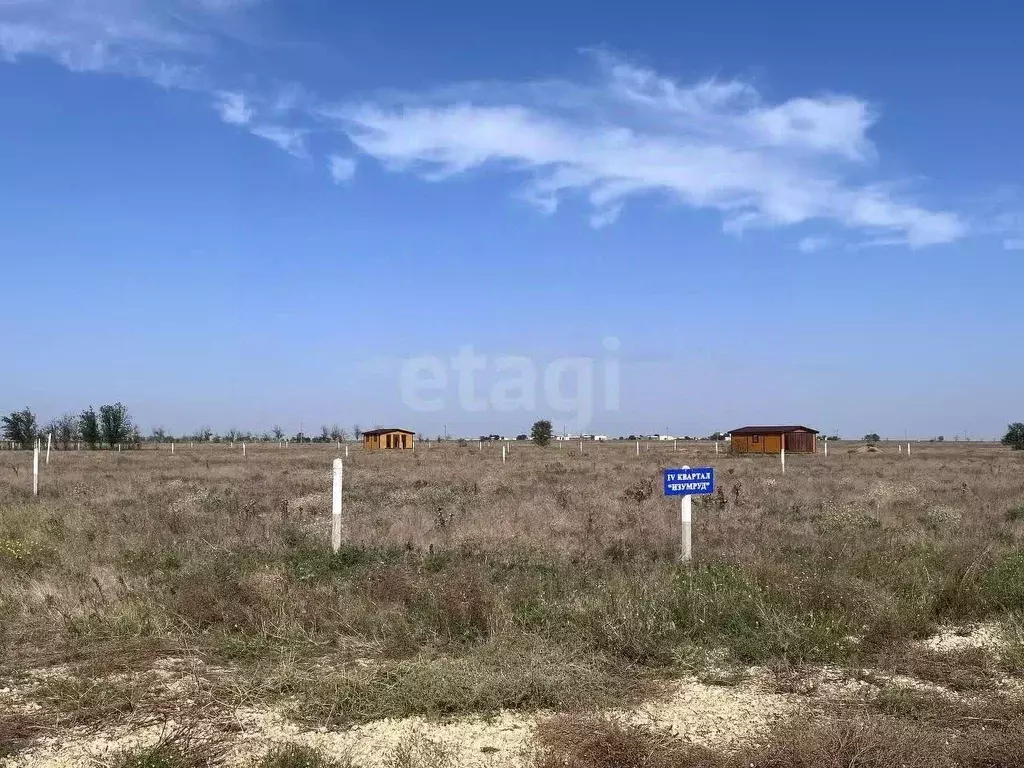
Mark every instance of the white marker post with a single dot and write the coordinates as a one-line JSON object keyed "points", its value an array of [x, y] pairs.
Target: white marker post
{"points": [[826, 448], [716, 447], [338, 474], [243, 450], [503, 454], [899, 448], [686, 516], [908, 449], [35, 471], [782, 454], [346, 450], [49, 442], [637, 447], [172, 449], [581, 447]]}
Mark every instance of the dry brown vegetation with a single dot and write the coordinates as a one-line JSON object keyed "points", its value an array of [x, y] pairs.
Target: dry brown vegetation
{"points": [[470, 586]]}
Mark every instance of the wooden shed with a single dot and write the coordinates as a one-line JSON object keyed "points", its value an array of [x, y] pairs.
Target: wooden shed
{"points": [[389, 438], [795, 438]]}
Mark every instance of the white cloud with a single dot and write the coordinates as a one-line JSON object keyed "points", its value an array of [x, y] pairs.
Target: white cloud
{"points": [[96, 35], [342, 168], [713, 144], [813, 244], [291, 140], [234, 108], [1013, 244]]}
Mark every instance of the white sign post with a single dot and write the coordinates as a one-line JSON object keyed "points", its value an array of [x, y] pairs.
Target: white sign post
{"points": [[685, 482], [686, 516], [908, 449], [35, 471], [49, 442], [581, 447], [503, 454], [637, 447], [243, 450], [338, 477]]}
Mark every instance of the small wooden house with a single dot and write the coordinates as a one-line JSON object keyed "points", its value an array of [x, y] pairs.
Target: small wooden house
{"points": [[389, 438], [796, 439]]}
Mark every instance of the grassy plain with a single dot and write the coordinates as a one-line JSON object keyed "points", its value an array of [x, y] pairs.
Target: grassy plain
{"points": [[143, 589]]}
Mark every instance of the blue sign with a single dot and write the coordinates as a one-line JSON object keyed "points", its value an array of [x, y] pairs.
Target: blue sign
{"points": [[685, 481]]}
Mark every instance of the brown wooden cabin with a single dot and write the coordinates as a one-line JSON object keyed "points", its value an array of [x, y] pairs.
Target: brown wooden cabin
{"points": [[797, 439], [389, 438]]}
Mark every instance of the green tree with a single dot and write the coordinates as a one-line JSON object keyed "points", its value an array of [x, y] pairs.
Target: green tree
{"points": [[872, 438], [115, 424], [89, 427], [21, 427], [65, 430], [541, 432], [1014, 436]]}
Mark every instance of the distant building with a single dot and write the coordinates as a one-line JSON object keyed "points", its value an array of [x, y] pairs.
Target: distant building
{"points": [[600, 438], [388, 439], [796, 439]]}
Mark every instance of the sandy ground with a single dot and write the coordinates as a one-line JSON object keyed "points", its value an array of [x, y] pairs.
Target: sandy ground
{"points": [[704, 714]]}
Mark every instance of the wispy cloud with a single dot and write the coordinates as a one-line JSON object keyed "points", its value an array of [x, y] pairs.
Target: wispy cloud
{"points": [[1013, 244], [625, 133], [343, 169], [291, 140], [132, 37], [234, 108], [813, 244], [632, 132], [266, 122]]}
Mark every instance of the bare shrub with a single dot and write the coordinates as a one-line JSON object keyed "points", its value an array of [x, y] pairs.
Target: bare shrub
{"points": [[597, 741]]}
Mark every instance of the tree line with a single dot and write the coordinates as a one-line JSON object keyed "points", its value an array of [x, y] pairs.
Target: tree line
{"points": [[109, 427], [112, 425]]}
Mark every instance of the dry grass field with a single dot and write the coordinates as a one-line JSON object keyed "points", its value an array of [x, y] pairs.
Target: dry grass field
{"points": [[162, 611]]}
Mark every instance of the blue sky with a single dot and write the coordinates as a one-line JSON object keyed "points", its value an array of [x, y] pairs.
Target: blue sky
{"points": [[246, 212]]}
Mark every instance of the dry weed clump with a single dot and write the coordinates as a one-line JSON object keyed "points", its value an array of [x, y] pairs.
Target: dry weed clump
{"points": [[18, 730], [177, 748], [300, 756], [600, 741], [864, 741]]}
